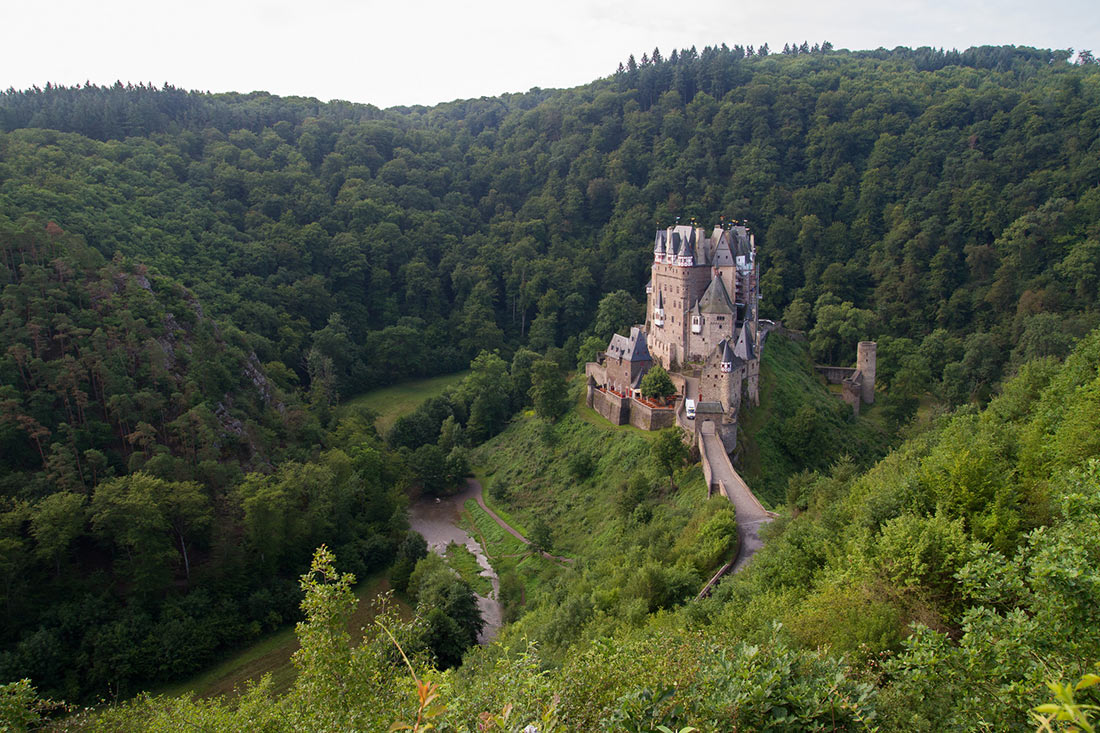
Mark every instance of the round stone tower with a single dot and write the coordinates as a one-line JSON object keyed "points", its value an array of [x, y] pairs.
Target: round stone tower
{"points": [[865, 364]]}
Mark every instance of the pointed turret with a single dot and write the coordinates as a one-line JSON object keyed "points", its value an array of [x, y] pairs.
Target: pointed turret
{"points": [[744, 251], [725, 363], [745, 349], [703, 249], [686, 256]]}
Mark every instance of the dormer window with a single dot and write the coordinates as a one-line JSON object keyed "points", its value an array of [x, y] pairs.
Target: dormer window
{"points": [[696, 324], [726, 367]]}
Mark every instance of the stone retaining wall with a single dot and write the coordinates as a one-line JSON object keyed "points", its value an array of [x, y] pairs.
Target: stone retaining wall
{"points": [[614, 408], [648, 418]]}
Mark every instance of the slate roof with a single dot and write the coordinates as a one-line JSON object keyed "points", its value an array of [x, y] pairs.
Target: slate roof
{"points": [[727, 352], [741, 244], [721, 247], [629, 349], [745, 348], [723, 257], [709, 408], [716, 299]]}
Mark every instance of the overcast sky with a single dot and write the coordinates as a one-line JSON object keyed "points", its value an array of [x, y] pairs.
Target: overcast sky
{"points": [[420, 52]]}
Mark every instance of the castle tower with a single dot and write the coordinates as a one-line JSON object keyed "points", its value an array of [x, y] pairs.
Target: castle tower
{"points": [[865, 365], [694, 274], [724, 263]]}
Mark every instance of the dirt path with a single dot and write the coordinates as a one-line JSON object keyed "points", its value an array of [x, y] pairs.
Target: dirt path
{"points": [[479, 494]]}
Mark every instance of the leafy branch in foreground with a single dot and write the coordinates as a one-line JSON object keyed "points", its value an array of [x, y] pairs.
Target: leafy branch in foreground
{"points": [[426, 693], [1067, 709]]}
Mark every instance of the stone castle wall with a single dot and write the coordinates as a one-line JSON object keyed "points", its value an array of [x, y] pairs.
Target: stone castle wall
{"points": [[598, 372], [615, 409], [859, 381], [835, 374], [647, 418], [852, 393]]}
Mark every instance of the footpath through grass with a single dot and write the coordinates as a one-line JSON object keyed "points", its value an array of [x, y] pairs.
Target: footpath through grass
{"points": [[521, 572], [390, 403], [272, 654]]}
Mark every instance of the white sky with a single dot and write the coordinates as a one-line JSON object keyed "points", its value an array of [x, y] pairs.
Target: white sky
{"points": [[424, 52]]}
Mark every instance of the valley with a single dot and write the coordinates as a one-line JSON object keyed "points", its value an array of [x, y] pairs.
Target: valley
{"points": [[264, 360]]}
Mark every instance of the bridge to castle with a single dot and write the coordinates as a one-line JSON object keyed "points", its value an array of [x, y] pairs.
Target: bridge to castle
{"points": [[751, 515]]}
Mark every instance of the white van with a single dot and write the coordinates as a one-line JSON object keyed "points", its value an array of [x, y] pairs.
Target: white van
{"points": [[689, 409]]}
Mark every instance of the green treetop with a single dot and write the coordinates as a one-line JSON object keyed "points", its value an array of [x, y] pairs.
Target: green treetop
{"points": [[656, 384]]}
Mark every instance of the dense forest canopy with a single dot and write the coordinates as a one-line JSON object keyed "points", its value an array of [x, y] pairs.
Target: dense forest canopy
{"points": [[191, 283], [921, 186]]}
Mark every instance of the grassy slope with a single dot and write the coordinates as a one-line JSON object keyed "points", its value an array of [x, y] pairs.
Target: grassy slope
{"points": [[533, 463], [392, 402], [532, 460], [787, 382]]}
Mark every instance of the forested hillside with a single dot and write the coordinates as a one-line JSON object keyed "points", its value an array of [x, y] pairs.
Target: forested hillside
{"points": [[942, 199], [937, 591], [192, 282]]}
